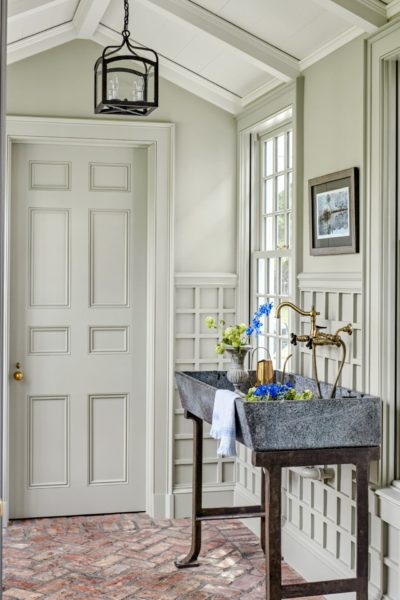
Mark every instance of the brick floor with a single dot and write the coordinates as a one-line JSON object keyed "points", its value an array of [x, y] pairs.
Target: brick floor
{"points": [[130, 556]]}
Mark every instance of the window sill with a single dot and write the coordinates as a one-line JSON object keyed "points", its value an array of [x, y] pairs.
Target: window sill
{"points": [[390, 504]]}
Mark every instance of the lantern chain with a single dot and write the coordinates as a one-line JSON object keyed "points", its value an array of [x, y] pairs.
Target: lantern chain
{"points": [[126, 32]]}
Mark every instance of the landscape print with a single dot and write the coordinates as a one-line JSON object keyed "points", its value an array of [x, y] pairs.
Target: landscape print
{"points": [[333, 214]]}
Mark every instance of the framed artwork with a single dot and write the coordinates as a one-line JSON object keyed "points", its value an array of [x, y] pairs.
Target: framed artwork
{"points": [[334, 202]]}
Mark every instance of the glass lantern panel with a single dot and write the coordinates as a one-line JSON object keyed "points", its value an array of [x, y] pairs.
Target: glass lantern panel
{"points": [[127, 82]]}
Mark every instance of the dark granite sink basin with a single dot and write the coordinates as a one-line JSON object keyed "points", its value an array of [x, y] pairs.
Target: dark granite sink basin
{"points": [[351, 419]]}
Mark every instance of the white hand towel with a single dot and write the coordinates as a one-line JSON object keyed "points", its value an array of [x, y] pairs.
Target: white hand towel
{"points": [[223, 422]]}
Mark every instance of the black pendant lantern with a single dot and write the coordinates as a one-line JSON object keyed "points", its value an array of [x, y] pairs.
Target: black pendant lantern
{"points": [[126, 82]]}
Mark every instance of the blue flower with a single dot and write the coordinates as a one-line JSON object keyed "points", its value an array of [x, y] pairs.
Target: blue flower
{"points": [[265, 309], [272, 390], [261, 390]]}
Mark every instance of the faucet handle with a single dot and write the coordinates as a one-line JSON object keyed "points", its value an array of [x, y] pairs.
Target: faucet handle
{"points": [[293, 339]]}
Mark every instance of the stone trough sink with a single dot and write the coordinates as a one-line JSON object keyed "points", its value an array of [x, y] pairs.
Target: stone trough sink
{"points": [[351, 419]]}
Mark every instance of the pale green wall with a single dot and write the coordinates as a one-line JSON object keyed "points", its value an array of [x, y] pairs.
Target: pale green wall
{"points": [[333, 134], [59, 83]]}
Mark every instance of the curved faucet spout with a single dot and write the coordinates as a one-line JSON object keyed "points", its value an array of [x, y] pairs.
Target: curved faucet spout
{"points": [[304, 313]]}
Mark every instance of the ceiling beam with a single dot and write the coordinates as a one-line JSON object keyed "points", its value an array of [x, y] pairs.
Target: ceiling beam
{"points": [[368, 15], [88, 16], [264, 55]]}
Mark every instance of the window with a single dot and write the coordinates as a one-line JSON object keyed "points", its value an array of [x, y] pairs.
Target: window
{"points": [[272, 258]]}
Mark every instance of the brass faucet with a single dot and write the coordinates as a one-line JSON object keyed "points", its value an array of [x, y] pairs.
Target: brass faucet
{"points": [[316, 338]]}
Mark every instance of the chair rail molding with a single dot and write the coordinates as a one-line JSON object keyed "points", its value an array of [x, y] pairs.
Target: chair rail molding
{"points": [[159, 141], [332, 282]]}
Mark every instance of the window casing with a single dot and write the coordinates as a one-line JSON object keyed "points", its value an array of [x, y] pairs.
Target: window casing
{"points": [[272, 257]]}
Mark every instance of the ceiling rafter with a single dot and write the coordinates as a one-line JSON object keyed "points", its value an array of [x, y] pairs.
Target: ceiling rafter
{"points": [[263, 55], [88, 16], [368, 15]]}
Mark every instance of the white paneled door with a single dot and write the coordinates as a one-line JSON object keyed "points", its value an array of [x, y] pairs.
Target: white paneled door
{"points": [[78, 330]]}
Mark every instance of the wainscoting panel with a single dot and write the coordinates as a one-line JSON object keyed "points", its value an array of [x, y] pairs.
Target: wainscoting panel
{"points": [[325, 513], [197, 296]]}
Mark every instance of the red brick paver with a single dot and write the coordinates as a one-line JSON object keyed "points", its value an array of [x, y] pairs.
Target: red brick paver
{"points": [[130, 556]]}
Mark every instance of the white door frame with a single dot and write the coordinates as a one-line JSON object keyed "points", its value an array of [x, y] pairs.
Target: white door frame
{"points": [[380, 245], [158, 139]]}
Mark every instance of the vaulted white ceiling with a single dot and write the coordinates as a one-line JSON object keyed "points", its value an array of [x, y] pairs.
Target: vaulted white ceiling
{"points": [[229, 52]]}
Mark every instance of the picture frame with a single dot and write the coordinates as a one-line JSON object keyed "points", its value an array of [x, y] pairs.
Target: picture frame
{"points": [[334, 213]]}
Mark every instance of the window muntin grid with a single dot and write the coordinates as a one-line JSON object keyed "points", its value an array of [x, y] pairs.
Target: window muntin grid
{"points": [[272, 262]]}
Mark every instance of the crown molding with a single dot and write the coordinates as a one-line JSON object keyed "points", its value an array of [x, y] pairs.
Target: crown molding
{"points": [[393, 9], [260, 92], [263, 55], [368, 15], [339, 41], [40, 42]]}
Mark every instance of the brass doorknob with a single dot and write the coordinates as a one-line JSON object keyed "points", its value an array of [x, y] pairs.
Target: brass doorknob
{"points": [[18, 375]]}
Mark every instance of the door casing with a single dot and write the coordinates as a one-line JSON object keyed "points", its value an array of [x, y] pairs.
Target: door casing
{"points": [[158, 139]]}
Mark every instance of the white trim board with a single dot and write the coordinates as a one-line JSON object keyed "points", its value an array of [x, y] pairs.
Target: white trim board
{"points": [[213, 496], [158, 139], [335, 282], [205, 279]]}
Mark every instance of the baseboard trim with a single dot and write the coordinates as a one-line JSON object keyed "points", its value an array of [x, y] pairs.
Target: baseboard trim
{"points": [[242, 497], [213, 496]]}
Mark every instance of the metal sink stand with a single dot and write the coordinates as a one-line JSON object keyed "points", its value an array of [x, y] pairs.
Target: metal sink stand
{"points": [[269, 511]]}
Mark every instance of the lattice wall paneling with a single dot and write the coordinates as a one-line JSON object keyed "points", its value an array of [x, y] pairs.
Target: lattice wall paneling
{"points": [[391, 563], [326, 512], [196, 297]]}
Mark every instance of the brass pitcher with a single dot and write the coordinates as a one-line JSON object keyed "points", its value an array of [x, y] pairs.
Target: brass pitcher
{"points": [[264, 368]]}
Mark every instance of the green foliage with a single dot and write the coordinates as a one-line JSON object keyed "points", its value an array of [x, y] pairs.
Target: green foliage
{"points": [[234, 336]]}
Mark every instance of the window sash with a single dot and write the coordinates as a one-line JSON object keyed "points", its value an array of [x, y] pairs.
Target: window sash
{"points": [[271, 266]]}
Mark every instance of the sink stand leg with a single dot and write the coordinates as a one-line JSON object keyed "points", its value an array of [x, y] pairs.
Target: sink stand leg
{"points": [[362, 530], [262, 520], [273, 568], [191, 559]]}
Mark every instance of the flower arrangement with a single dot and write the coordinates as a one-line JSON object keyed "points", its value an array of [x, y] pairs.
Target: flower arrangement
{"points": [[237, 335], [277, 391]]}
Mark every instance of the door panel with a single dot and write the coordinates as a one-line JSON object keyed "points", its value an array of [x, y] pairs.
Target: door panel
{"points": [[78, 287]]}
